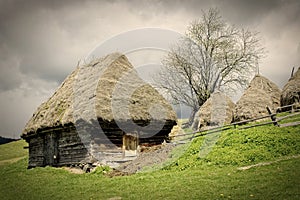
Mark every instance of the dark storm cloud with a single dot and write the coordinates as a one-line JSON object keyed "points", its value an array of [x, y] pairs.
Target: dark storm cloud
{"points": [[42, 41], [30, 32]]}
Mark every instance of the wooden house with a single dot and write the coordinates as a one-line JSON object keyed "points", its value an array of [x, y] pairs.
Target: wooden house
{"points": [[92, 114]]}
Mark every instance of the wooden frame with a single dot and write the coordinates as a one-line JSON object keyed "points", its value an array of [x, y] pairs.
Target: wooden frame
{"points": [[130, 142]]}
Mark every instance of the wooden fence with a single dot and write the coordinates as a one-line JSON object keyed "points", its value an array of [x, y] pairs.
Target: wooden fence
{"points": [[292, 111]]}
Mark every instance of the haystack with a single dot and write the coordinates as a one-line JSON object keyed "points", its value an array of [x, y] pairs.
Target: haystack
{"points": [[218, 110], [291, 91], [92, 110], [260, 94]]}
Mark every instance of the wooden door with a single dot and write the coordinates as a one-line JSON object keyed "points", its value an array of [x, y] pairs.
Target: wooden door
{"points": [[50, 149], [130, 144]]}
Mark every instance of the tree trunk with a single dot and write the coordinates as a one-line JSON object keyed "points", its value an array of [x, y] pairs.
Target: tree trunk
{"points": [[191, 119]]}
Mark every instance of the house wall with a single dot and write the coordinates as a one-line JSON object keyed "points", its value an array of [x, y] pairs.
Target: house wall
{"points": [[56, 147], [62, 146], [147, 135], [70, 148], [36, 153]]}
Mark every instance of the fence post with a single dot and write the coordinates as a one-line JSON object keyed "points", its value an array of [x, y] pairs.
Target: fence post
{"points": [[293, 108], [273, 117]]}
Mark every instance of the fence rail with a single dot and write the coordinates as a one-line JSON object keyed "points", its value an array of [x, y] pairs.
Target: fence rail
{"points": [[273, 116]]}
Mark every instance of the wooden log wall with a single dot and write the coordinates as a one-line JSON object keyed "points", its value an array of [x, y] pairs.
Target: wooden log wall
{"points": [[57, 147], [70, 148], [61, 146], [36, 153]]}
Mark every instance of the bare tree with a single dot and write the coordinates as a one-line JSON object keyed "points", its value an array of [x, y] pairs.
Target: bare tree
{"points": [[213, 56]]}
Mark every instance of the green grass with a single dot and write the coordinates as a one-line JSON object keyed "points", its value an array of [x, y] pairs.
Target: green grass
{"points": [[276, 181], [214, 176], [243, 147], [13, 150]]}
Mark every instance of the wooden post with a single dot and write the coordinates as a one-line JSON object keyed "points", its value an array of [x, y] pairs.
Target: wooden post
{"points": [[123, 144], [293, 108], [273, 117], [292, 74]]}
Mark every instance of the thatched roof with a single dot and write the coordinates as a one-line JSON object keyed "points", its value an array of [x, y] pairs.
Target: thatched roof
{"points": [[260, 93], [216, 111], [93, 89], [291, 91]]}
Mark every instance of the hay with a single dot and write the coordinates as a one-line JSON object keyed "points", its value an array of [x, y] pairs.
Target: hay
{"points": [[216, 111], [118, 86], [260, 94], [291, 91]]}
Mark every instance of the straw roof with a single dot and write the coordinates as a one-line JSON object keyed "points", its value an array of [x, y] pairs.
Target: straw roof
{"points": [[260, 93], [108, 89], [291, 91], [216, 111]]}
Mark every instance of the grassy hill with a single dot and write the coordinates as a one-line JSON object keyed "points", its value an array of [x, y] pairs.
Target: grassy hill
{"points": [[12, 151], [215, 176], [4, 140]]}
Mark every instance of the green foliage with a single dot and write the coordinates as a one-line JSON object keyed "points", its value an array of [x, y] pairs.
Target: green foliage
{"points": [[13, 150], [242, 147], [101, 170]]}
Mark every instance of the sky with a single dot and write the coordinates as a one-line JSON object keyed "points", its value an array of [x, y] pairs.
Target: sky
{"points": [[41, 42]]}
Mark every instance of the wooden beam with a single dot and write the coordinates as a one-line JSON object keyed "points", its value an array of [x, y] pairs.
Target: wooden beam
{"points": [[251, 120], [290, 124], [287, 116], [273, 117]]}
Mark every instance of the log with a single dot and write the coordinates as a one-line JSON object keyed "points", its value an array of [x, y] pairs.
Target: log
{"points": [[290, 124]]}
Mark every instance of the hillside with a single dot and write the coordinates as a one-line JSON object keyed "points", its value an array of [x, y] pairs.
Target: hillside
{"points": [[215, 176], [4, 140]]}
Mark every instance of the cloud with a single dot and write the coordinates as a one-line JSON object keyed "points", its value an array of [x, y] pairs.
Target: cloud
{"points": [[42, 41], [9, 70], [18, 104]]}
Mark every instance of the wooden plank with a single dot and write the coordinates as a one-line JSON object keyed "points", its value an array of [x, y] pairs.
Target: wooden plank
{"points": [[290, 124], [292, 106], [251, 120], [273, 117], [219, 128], [207, 133], [256, 125], [287, 116]]}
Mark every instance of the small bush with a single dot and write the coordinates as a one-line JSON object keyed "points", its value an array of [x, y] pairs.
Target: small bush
{"points": [[101, 170]]}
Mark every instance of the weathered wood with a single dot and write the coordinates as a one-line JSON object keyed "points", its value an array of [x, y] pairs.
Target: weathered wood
{"points": [[293, 107], [287, 116], [204, 132], [130, 142], [252, 120], [256, 125], [290, 124], [218, 128], [62, 145], [273, 117]]}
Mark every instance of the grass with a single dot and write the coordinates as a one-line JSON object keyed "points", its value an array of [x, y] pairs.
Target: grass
{"points": [[214, 176], [277, 181], [13, 150]]}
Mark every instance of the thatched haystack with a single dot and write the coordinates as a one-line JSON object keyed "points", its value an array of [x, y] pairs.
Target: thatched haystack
{"points": [[92, 110], [218, 110], [291, 91], [260, 93]]}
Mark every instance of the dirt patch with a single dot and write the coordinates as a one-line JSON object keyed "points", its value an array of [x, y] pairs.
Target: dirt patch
{"points": [[268, 163], [148, 158], [74, 170]]}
